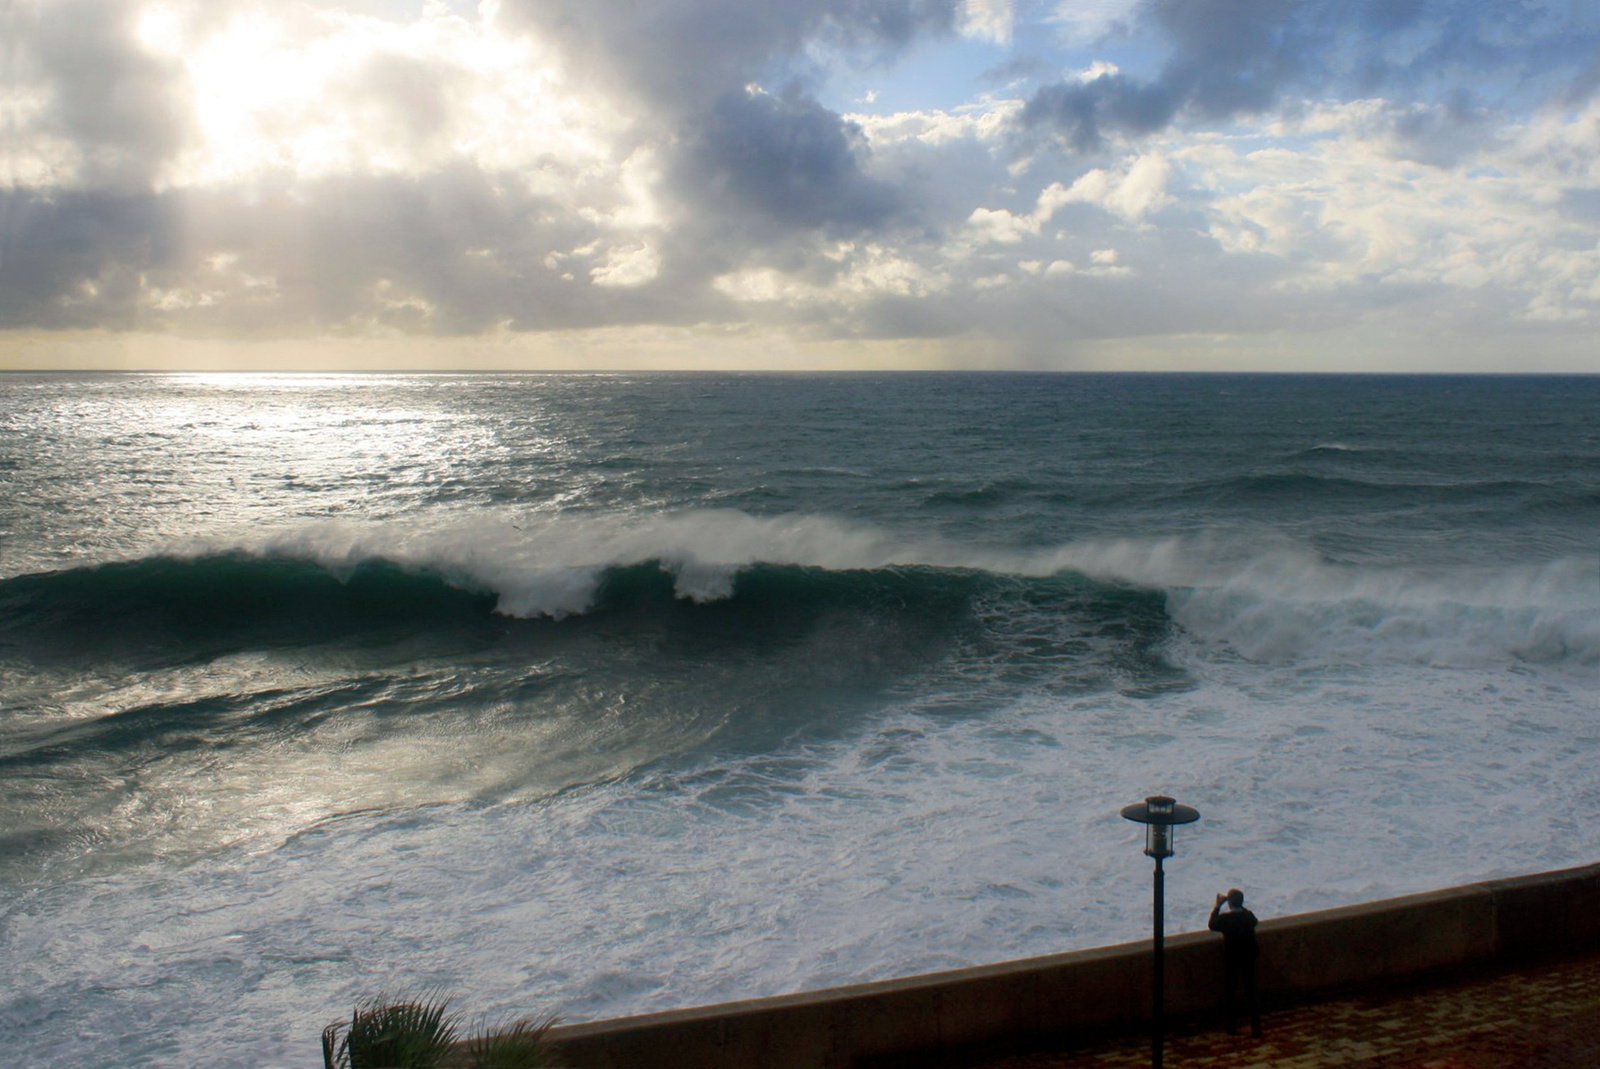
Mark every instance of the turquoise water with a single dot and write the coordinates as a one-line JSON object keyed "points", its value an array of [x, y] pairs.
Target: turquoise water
{"points": [[597, 694]]}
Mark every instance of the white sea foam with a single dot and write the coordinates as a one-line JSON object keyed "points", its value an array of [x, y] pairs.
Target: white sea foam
{"points": [[782, 871]]}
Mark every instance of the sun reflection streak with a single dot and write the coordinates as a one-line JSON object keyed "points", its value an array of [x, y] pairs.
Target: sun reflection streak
{"points": [[224, 459]]}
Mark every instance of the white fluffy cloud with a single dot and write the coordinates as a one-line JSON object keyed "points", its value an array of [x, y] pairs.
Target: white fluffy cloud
{"points": [[992, 20], [1372, 213]]}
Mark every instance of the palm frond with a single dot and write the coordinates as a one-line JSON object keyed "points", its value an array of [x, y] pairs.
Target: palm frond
{"points": [[385, 1034], [517, 1045], [334, 1054]]}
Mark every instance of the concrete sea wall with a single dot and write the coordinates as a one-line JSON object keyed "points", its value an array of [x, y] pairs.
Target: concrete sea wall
{"points": [[1083, 993]]}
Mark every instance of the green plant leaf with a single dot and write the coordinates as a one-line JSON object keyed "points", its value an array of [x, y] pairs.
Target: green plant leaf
{"points": [[518, 1045], [385, 1034]]}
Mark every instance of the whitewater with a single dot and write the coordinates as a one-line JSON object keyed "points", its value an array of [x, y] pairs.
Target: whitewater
{"points": [[592, 695]]}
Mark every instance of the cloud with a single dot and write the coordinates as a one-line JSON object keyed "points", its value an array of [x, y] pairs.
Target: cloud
{"points": [[781, 162], [231, 168], [1228, 57], [455, 251], [627, 266], [998, 226], [681, 55], [1133, 192], [1351, 214], [1231, 59], [1091, 21], [95, 105], [78, 259], [1078, 111], [1440, 135], [992, 20]]}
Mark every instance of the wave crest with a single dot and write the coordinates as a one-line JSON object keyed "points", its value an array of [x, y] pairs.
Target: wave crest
{"points": [[554, 567], [1267, 599]]}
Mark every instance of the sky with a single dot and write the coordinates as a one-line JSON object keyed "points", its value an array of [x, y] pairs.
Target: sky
{"points": [[1328, 185]]}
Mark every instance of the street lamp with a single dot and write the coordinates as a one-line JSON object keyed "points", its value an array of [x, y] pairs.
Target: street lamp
{"points": [[1159, 815]]}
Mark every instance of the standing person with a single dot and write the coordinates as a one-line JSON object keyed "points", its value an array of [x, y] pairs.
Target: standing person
{"points": [[1239, 953]]}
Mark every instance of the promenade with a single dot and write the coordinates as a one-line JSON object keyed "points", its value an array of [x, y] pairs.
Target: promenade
{"points": [[1538, 1016], [1500, 974]]}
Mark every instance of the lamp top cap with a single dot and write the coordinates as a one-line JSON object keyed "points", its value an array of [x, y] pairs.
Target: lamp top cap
{"points": [[1160, 809]]}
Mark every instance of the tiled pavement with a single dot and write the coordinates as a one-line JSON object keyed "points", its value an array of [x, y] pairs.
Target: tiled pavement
{"points": [[1544, 1016]]}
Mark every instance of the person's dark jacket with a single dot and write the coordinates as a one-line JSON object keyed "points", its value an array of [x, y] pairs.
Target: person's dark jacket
{"points": [[1238, 928]]}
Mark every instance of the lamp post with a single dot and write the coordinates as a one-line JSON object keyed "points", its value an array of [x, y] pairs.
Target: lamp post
{"points": [[1159, 815]]}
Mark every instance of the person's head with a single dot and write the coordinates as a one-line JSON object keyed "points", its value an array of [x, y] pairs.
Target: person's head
{"points": [[1236, 898]]}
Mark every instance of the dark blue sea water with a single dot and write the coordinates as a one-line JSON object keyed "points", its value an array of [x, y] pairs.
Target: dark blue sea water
{"points": [[596, 694]]}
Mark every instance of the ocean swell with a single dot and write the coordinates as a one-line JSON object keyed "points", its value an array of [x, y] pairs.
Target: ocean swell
{"points": [[1266, 599]]}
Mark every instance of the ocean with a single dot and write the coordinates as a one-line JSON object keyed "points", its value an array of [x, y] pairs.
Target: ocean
{"points": [[593, 695]]}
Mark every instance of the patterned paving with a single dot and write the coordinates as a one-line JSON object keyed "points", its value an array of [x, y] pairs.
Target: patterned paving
{"points": [[1537, 1017]]}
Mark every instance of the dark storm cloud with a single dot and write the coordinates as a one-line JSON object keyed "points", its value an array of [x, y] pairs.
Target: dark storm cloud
{"points": [[746, 166], [1079, 111], [1443, 135], [781, 163], [75, 259], [1228, 57], [1237, 58], [121, 109], [684, 54]]}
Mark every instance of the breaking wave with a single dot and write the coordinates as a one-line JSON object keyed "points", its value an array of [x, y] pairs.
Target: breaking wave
{"points": [[1264, 599]]}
